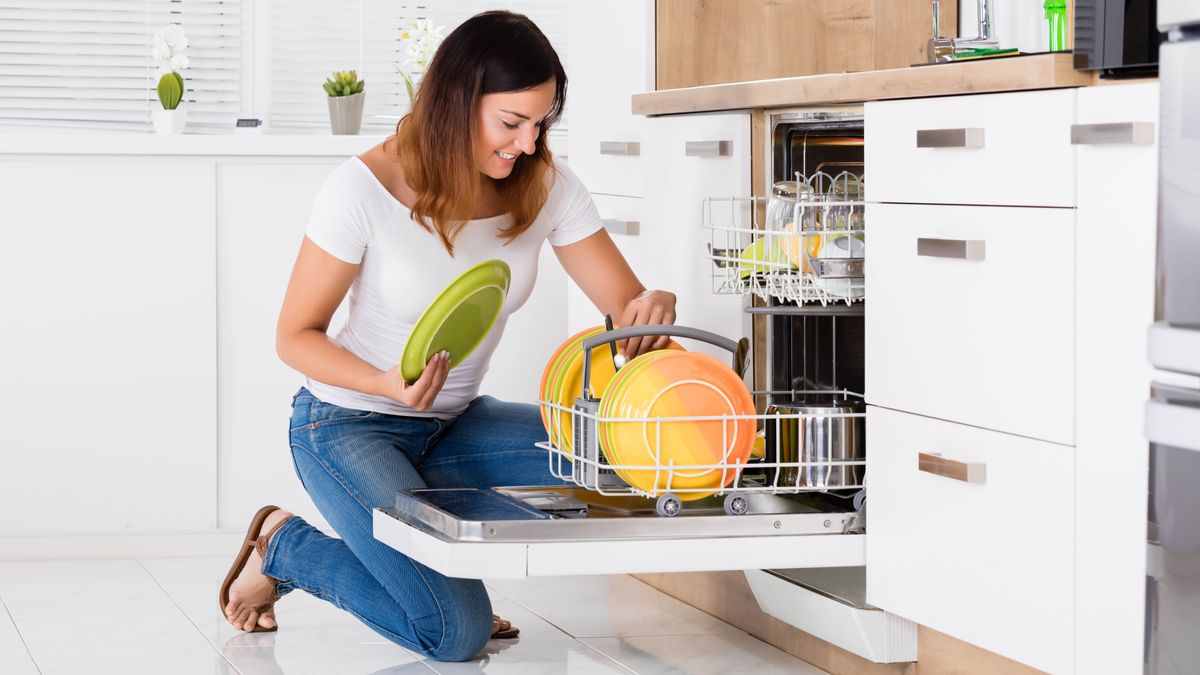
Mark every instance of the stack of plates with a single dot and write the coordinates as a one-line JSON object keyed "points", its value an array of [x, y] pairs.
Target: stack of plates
{"points": [[652, 392], [562, 383]]}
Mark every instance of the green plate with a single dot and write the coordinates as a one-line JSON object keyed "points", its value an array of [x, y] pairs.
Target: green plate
{"points": [[458, 319]]}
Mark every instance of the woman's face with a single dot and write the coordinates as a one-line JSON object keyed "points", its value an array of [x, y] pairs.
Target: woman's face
{"points": [[509, 124]]}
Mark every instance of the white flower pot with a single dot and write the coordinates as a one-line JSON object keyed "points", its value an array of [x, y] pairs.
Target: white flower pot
{"points": [[169, 121], [345, 113]]}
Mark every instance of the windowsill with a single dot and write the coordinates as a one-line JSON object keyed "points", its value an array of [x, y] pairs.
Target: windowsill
{"points": [[247, 144], [230, 145]]}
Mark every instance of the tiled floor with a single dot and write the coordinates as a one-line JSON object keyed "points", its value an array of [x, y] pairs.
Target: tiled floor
{"points": [[160, 616]]}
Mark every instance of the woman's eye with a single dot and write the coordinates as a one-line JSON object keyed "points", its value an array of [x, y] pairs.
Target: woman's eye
{"points": [[510, 127]]}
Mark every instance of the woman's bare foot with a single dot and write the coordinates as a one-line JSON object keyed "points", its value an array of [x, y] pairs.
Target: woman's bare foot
{"points": [[252, 595]]}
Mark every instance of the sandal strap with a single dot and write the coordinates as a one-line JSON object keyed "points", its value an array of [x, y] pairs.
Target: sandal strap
{"points": [[264, 539]]}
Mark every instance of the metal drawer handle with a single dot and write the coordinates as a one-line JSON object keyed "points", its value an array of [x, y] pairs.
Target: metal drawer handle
{"points": [[626, 227], [969, 137], [708, 148], [1118, 133], [959, 249], [967, 472], [629, 148]]}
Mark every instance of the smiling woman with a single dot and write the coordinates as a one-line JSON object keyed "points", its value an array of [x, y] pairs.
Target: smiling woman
{"points": [[467, 178], [455, 131]]}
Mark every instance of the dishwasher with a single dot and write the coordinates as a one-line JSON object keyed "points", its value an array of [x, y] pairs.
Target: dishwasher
{"points": [[795, 507]]}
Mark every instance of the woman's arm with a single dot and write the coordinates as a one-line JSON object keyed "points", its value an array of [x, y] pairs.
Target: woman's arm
{"points": [[597, 266], [318, 284]]}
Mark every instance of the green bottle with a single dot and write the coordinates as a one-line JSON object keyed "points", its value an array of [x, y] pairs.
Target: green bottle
{"points": [[1056, 14]]}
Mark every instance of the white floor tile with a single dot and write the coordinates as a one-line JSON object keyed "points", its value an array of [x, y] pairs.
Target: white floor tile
{"points": [[261, 654], [101, 617], [541, 649], [14, 657], [304, 620], [608, 606], [700, 655]]}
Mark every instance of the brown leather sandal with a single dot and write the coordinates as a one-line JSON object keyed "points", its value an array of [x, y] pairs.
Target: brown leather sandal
{"points": [[256, 540], [503, 629]]}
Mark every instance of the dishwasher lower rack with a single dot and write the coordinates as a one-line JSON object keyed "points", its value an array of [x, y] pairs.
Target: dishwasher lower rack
{"points": [[802, 448]]}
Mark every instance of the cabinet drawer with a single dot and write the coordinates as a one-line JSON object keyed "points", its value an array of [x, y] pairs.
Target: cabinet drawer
{"points": [[989, 562], [608, 157], [1007, 149], [983, 335]]}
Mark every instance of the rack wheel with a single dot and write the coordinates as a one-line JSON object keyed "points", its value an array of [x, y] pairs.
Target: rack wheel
{"points": [[736, 505], [860, 498], [668, 505]]}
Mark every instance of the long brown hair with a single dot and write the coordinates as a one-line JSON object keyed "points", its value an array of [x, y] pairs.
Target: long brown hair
{"points": [[492, 52]]}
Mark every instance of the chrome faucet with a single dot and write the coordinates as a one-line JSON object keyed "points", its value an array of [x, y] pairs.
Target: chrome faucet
{"points": [[940, 48]]}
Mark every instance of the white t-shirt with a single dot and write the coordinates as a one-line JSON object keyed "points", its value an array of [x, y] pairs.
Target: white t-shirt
{"points": [[403, 267]]}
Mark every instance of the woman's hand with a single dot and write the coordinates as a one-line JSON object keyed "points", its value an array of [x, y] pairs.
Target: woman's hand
{"points": [[647, 308], [420, 394]]}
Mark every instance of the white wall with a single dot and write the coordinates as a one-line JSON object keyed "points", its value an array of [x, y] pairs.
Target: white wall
{"points": [[1017, 23]]}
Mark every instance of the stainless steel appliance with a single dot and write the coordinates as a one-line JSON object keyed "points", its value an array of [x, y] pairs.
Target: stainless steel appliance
{"points": [[1173, 413]]}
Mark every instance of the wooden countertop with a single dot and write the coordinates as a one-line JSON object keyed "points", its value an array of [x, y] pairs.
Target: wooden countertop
{"points": [[1040, 71]]}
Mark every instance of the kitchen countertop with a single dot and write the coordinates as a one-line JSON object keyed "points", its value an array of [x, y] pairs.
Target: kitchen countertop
{"points": [[1039, 71]]}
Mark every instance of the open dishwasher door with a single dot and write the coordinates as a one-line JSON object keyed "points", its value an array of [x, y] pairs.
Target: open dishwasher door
{"points": [[560, 530]]}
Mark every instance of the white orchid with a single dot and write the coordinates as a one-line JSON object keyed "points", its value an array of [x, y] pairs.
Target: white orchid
{"points": [[421, 40], [169, 44]]}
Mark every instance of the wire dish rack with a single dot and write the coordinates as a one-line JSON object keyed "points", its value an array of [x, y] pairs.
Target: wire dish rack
{"points": [[796, 453], [810, 250]]}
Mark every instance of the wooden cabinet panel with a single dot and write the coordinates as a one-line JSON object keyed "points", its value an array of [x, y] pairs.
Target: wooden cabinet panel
{"points": [[711, 41]]}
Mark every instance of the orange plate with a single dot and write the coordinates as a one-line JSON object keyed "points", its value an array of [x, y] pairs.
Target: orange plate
{"points": [[552, 366], [677, 385]]}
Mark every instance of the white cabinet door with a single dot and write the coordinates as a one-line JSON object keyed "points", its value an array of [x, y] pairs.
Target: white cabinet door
{"points": [[262, 213], [623, 219], [689, 159], [970, 315], [1010, 149], [1118, 188], [606, 141], [969, 535], [109, 403]]}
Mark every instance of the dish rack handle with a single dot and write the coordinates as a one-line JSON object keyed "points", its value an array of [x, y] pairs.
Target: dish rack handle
{"points": [[739, 348]]}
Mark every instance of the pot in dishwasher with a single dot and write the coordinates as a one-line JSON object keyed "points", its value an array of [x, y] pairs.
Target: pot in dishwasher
{"points": [[814, 441]]}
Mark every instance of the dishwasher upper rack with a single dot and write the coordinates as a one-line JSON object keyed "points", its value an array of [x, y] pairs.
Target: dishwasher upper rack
{"points": [[820, 262], [585, 463]]}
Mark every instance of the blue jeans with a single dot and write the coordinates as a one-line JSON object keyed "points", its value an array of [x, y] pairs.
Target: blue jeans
{"points": [[351, 461]]}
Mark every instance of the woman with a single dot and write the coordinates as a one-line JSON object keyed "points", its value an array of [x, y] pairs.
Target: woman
{"points": [[467, 177]]}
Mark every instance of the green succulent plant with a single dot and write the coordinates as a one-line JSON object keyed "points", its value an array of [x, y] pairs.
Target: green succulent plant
{"points": [[343, 83], [170, 90]]}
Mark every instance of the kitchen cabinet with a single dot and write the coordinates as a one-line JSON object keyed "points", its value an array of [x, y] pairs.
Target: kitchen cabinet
{"points": [[1009, 149], [692, 158], [956, 327], [605, 138], [959, 542], [1115, 140], [110, 358], [1051, 348]]}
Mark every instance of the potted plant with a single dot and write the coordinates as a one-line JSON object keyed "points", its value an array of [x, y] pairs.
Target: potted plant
{"points": [[169, 44], [345, 102]]}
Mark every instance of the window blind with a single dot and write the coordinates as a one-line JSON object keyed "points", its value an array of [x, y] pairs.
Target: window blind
{"points": [[88, 63], [312, 38]]}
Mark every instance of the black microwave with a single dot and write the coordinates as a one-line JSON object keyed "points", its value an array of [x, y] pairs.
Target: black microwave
{"points": [[1117, 37]]}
